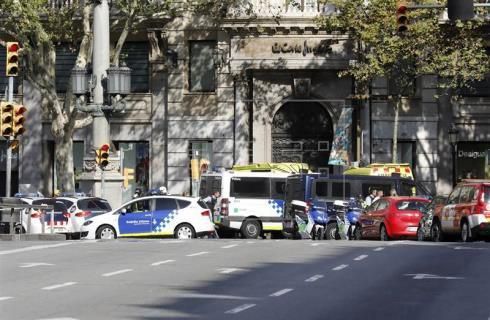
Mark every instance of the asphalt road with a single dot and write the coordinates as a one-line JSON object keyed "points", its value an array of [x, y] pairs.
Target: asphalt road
{"points": [[241, 279]]}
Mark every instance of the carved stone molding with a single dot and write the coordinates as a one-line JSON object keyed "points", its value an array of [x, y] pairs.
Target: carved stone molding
{"points": [[158, 44]]}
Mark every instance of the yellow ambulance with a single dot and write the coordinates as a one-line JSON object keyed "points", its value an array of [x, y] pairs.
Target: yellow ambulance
{"points": [[383, 169]]}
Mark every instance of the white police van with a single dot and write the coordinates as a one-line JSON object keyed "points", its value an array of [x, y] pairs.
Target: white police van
{"points": [[251, 202]]}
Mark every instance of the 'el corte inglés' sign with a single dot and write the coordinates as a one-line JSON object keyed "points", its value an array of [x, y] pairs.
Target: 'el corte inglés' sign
{"points": [[293, 47], [304, 47]]}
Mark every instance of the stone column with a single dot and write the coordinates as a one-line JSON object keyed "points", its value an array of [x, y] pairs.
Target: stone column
{"points": [[242, 125]]}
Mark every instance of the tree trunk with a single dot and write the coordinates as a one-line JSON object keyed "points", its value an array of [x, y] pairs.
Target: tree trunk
{"points": [[64, 164], [394, 156]]}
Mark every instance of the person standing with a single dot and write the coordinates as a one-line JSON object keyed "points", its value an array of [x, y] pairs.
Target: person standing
{"points": [[370, 198], [212, 199]]}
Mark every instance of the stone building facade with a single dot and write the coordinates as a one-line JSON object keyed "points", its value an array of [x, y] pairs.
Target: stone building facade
{"points": [[259, 91]]}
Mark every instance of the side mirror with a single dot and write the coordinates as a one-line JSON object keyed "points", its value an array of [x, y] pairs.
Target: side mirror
{"points": [[124, 211]]}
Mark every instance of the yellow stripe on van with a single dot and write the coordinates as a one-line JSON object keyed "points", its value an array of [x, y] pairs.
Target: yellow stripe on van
{"points": [[272, 226]]}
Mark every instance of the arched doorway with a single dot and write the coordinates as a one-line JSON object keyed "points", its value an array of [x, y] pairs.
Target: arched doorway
{"points": [[302, 132]]}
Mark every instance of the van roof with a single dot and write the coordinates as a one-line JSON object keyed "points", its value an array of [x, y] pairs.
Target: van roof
{"points": [[354, 177], [248, 174]]}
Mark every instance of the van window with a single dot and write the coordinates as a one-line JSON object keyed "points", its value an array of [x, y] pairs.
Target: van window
{"points": [[209, 184], [337, 191], [295, 188], [245, 187], [321, 188], [367, 186], [278, 188]]}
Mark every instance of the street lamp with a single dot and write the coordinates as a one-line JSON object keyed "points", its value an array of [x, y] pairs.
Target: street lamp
{"points": [[453, 133]]}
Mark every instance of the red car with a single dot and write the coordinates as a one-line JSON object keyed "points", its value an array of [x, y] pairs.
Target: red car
{"points": [[390, 218]]}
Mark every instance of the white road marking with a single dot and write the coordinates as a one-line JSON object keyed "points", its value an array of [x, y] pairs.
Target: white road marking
{"points": [[58, 319], [61, 285], [211, 296], [35, 264], [241, 308], [469, 248], [161, 262], [172, 241], [361, 257], [342, 266], [230, 270], [314, 278], [250, 242], [5, 298], [229, 246], [315, 244], [378, 249], [421, 276], [281, 292], [397, 242], [197, 254], [109, 274], [40, 247]]}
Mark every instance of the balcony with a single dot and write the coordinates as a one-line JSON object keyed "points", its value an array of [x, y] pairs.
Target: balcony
{"points": [[287, 8]]}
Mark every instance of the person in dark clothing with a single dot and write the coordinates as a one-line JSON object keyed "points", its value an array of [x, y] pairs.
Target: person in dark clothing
{"points": [[212, 199]]}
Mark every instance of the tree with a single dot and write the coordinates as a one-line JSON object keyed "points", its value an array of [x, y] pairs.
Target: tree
{"points": [[41, 24], [454, 51]]}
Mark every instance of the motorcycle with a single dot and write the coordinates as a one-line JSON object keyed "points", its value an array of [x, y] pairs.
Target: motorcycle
{"points": [[343, 217]]}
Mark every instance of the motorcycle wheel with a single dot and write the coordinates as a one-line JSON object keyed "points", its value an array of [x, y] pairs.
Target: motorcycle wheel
{"points": [[332, 231], [320, 233]]}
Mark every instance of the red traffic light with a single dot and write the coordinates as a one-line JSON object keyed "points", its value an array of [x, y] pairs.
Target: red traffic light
{"points": [[13, 47], [104, 147], [401, 17], [12, 63]]}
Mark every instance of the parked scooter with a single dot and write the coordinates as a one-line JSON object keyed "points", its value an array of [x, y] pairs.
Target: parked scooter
{"points": [[343, 216]]}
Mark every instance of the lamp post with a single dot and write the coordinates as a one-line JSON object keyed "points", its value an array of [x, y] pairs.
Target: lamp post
{"points": [[105, 88], [453, 133]]}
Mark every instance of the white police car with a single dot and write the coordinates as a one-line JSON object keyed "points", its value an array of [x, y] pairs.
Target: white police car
{"points": [[180, 217]]}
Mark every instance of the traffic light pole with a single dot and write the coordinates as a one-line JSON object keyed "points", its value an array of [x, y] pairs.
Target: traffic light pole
{"points": [[8, 170]]}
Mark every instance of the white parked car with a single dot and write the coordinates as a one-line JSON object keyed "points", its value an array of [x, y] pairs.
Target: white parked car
{"points": [[82, 208], [179, 217], [47, 221]]}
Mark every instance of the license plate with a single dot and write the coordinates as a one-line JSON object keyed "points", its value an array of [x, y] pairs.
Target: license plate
{"points": [[412, 229]]}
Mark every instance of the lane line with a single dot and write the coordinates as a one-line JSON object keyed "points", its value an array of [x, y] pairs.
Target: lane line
{"points": [[280, 292], [361, 257], [40, 247], [229, 246], [241, 308], [229, 270], [314, 278], [5, 298], [161, 262], [250, 242], [315, 244], [379, 249], [109, 274], [342, 266], [197, 254], [57, 286], [172, 241]]}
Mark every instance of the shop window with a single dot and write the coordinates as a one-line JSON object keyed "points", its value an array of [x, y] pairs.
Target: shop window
{"points": [[135, 167], [201, 159], [472, 160], [321, 189], [201, 66], [341, 190]]}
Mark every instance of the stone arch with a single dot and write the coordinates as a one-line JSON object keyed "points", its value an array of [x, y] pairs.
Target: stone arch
{"points": [[301, 131]]}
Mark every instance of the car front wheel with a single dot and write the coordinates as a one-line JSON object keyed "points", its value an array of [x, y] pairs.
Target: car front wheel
{"points": [[185, 231], [436, 232], [106, 232]]}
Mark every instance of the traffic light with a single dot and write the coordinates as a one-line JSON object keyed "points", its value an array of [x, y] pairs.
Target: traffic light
{"points": [[6, 116], [18, 119], [460, 9], [12, 63], [102, 155], [401, 17]]}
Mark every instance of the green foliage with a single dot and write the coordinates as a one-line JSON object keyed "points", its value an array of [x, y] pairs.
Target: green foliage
{"points": [[456, 52]]}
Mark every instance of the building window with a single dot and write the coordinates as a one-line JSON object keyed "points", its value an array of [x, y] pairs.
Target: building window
{"points": [[478, 89], [201, 66], [78, 154], [135, 55], [406, 154]]}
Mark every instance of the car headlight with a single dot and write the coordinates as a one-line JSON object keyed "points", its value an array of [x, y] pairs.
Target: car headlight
{"points": [[87, 223]]}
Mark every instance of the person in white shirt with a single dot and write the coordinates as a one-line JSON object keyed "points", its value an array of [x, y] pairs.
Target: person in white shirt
{"points": [[371, 197]]}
